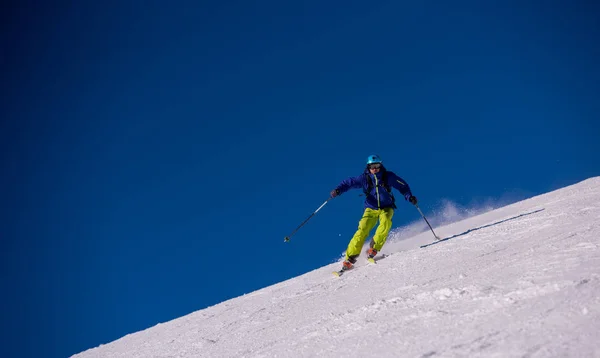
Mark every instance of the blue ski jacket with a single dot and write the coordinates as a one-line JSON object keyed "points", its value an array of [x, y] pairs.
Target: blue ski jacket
{"points": [[377, 197]]}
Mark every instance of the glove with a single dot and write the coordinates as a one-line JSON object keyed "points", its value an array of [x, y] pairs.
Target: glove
{"points": [[334, 193], [413, 200]]}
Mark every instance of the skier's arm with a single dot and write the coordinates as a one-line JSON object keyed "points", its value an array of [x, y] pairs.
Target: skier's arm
{"points": [[350, 183], [399, 184]]}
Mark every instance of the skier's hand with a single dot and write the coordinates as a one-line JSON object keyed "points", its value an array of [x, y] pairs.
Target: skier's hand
{"points": [[334, 193], [413, 200]]}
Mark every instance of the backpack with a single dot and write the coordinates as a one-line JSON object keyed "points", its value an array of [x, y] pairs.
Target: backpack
{"points": [[384, 184]]}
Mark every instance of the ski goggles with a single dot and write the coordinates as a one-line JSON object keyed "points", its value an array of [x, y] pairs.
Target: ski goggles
{"points": [[374, 166]]}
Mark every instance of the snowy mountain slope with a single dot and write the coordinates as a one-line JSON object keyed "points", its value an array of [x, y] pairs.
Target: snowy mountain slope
{"points": [[520, 281]]}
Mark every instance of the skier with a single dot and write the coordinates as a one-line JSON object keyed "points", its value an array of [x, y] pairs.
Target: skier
{"points": [[377, 183]]}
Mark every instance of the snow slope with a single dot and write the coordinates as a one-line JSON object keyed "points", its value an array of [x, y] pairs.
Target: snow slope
{"points": [[520, 281]]}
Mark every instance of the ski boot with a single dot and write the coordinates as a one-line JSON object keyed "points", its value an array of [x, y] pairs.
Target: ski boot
{"points": [[346, 265], [371, 252]]}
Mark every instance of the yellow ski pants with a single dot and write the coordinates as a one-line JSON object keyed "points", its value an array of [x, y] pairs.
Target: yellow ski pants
{"points": [[365, 225]]}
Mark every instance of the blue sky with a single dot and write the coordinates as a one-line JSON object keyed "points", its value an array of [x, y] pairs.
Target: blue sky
{"points": [[154, 156]]}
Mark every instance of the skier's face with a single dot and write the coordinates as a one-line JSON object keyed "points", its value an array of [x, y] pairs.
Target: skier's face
{"points": [[375, 168]]}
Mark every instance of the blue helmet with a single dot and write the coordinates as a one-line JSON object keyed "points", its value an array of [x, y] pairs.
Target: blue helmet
{"points": [[372, 159]]}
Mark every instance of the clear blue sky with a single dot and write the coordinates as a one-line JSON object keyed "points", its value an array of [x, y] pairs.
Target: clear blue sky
{"points": [[154, 156]]}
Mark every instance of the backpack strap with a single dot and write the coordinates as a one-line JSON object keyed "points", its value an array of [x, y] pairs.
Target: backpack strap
{"points": [[388, 188], [369, 184]]}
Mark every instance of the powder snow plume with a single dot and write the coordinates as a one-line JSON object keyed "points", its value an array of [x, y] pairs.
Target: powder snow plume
{"points": [[445, 213]]}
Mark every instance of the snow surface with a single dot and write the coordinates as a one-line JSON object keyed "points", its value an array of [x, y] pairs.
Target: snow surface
{"points": [[519, 281]]}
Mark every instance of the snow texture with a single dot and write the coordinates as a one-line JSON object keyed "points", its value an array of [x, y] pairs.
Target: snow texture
{"points": [[519, 281]]}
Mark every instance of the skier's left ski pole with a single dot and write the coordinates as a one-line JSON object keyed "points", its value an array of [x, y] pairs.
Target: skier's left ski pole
{"points": [[287, 238], [428, 224]]}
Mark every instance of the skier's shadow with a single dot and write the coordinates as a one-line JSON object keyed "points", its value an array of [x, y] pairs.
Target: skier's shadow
{"points": [[483, 227]]}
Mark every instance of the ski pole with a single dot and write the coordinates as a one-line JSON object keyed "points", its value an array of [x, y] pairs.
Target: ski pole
{"points": [[287, 238], [428, 224]]}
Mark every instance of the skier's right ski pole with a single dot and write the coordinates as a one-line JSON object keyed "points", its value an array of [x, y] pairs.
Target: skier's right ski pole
{"points": [[428, 224], [287, 238]]}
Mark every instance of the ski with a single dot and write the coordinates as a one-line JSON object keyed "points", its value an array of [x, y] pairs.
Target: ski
{"points": [[373, 260], [339, 273]]}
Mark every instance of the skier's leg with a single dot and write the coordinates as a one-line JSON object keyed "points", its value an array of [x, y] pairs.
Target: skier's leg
{"points": [[385, 224], [365, 225]]}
